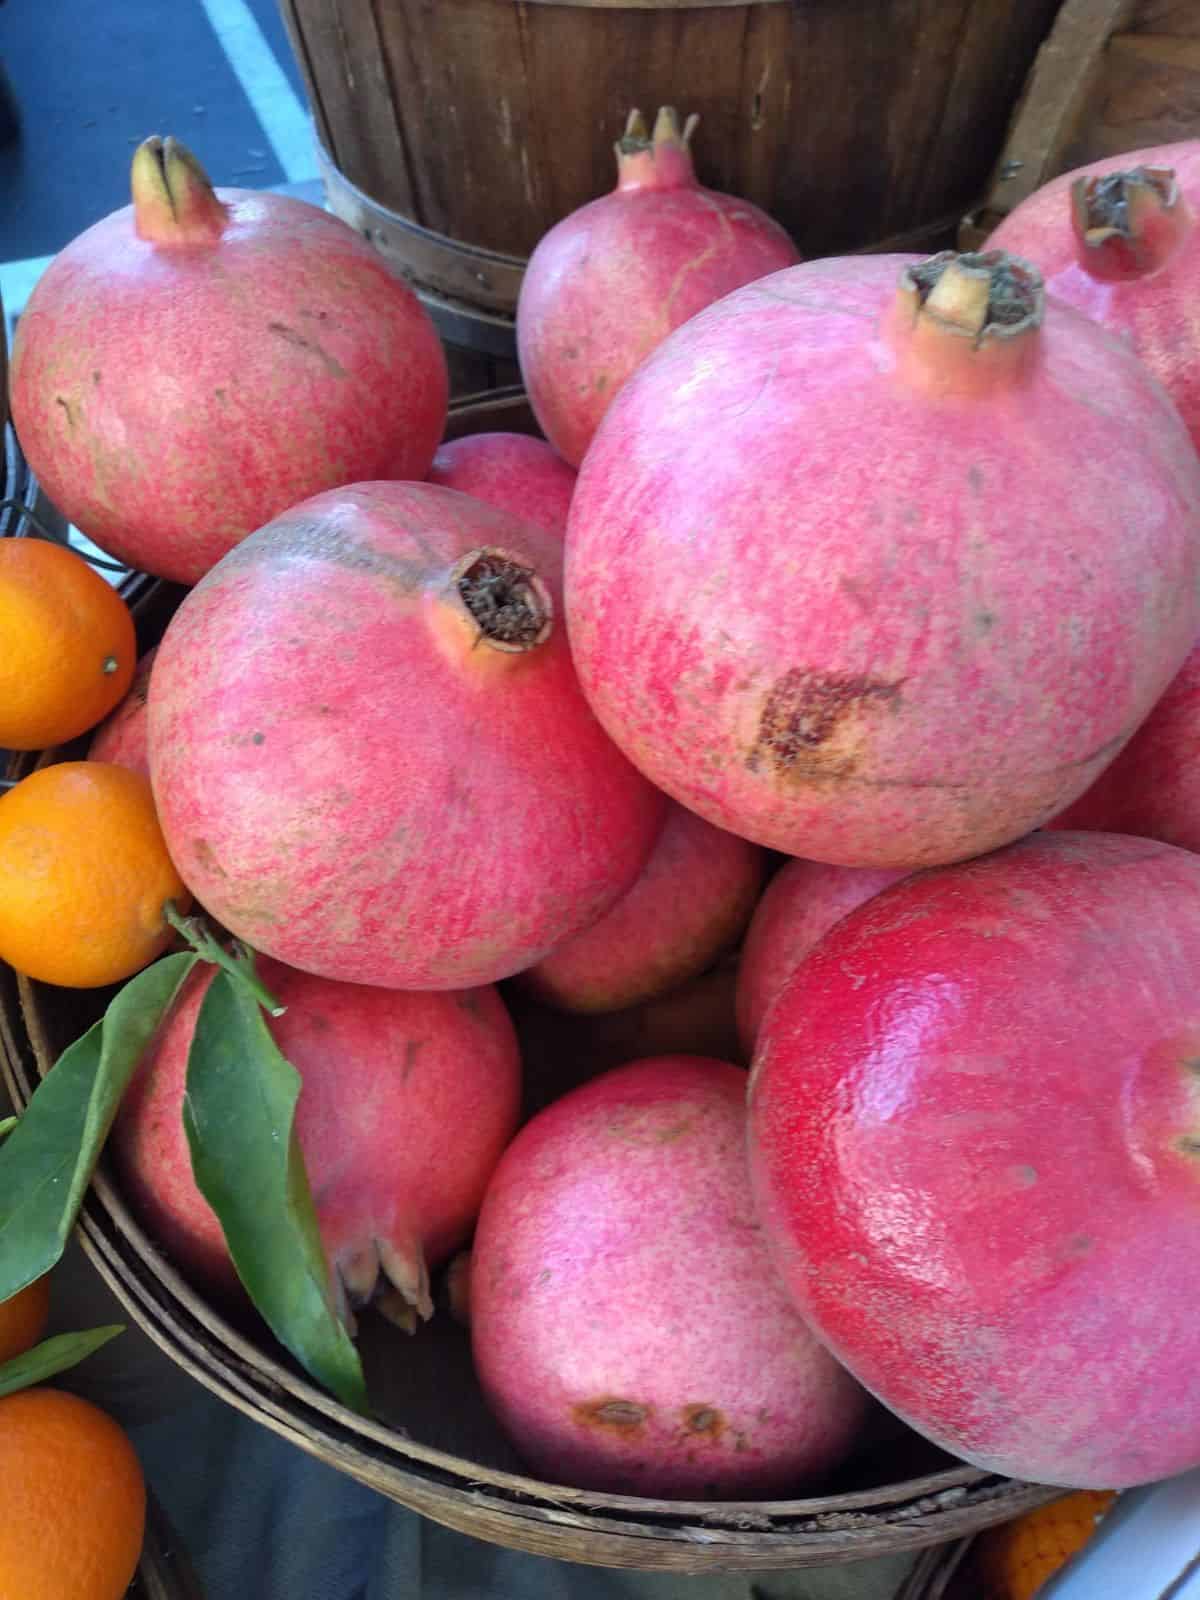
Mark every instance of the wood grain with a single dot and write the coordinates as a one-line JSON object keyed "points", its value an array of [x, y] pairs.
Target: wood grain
{"points": [[486, 121]]}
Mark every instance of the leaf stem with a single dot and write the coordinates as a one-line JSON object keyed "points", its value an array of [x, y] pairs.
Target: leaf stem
{"points": [[239, 963], [7, 1125]]}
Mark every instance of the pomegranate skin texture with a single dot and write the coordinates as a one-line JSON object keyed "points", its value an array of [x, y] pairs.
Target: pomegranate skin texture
{"points": [[368, 744], [1119, 240], [1153, 787], [627, 1327], [975, 1151], [802, 902], [199, 361], [512, 471], [608, 283], [689, 903], [879, 562], [407, 1102]]}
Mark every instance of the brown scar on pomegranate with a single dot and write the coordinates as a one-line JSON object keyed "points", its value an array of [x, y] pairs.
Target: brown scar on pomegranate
{"points": [[811, 722], [622, 1417], [703, 1419]]}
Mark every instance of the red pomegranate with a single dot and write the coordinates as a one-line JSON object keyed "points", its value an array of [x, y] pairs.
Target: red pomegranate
{"points": [[199, 361], [608, 283], [517, 473], [1119, 241], [121, 737], [627, 1327], [974, 1144], [1153, 787], [802, 902], [407, 1102], [689, 903], [963, 568], [369, 751]]}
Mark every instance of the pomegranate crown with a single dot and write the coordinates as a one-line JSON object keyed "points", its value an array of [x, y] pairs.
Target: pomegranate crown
{"points": [[658, 160], [980, 295]]}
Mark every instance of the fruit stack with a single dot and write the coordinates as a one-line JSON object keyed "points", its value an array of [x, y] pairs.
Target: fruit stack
{"points": [[845, 622]]}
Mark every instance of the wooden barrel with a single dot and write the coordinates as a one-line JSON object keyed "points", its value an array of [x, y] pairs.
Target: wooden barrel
{"points": [[455, 134], [431, 1443]]}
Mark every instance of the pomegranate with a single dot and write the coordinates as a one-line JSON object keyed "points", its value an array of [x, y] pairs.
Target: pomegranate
{"points": [[691, 901], [963, 568], [195, 363], [609, 282], [1119, 240], [368, 745], [1153, 787], [802, 902], [975, 1148], [407, 1102], [627, 1327], [517, 473], [121, 737]]}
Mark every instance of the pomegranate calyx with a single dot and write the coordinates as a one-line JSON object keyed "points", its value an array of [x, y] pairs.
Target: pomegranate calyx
{"points": [[508, 603], [978, 295], [173, 201], [1127, 224], [658, 160]]}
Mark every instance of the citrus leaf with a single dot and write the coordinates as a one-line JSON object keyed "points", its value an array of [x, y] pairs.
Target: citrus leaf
{"points": [[53, 1356], [46, 1162], [239, 1116]]}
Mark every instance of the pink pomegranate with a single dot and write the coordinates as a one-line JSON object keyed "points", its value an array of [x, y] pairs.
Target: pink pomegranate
{"points": [[627, 1327], [609, 282], [802, 902], [517, 473], [1153, 787], [872, 650], [121, 737], [194, 364], [369, 751], [1119, 240], [974, 1124], [690, 902], [407, 1102]]}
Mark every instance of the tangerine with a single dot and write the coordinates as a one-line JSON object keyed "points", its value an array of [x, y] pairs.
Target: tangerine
{"points": [[23, 1317], [74, 1500], [67, 645], [84, 875]]}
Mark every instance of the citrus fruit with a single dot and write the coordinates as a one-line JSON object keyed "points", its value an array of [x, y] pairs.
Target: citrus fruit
{"points": [[1015, 1559], [67, 645], [74, 1500], [22, 1318], [84, 875]]}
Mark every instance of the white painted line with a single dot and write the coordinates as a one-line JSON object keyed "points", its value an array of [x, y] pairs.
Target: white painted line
{"points": [[17, 279], [281, 115]]}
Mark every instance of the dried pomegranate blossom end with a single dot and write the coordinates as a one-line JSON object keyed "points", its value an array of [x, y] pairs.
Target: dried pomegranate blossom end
{"points": [[509, 603], [1127, 224], [982, 295]]}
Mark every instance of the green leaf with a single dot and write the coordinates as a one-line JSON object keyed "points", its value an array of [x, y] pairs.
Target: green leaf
{"points": [[52, 1356], [239, 1115], [7, 1124], [47, 1161]]}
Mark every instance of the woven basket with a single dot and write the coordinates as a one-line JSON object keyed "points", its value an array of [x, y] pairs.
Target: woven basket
{"points": [[432, 1445]]}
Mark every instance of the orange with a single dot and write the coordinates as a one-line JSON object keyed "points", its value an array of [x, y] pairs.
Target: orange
{"points": [[84, 875], [22, 1319], [1016, 1559], [67, 645], [74, 1500]]}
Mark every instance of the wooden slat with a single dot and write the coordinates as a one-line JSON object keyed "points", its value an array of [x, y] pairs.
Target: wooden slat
{"points": [[1059, 88], [1149, 94], [1171, 18]]}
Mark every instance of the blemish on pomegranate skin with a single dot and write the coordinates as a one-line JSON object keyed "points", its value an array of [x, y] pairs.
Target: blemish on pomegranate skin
{"points": [[1188, 1145], [810, 721], [613, 1415], [704, 1420]]}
